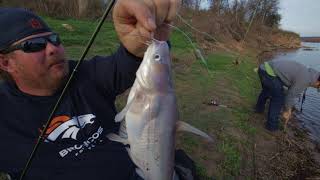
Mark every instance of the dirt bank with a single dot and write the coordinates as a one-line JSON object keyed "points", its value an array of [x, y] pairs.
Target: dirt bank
{"points": [[290, 153], [286, 154]]}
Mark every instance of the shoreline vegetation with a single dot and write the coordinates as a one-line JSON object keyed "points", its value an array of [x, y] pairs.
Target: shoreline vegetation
{"points": [[243, 149]]}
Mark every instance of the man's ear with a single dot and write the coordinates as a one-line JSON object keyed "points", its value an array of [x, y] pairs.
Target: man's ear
{"points": [[4, 62]]}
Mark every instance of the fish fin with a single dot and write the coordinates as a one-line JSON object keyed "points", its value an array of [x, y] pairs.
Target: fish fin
{"points": [[123, 130], [183, 126], [140, 173], [117, 138], [121, 115], [128, 149]]}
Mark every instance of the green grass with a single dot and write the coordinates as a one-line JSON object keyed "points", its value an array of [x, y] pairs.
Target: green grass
{"points": [[198, 86], [231, 165], [233, 85], [75, 41]]}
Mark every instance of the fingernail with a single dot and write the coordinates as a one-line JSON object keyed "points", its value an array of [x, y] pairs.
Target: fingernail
{"points": [[152, 24]]}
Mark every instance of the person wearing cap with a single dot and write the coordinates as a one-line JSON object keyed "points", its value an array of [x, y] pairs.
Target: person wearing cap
{"points": [[34, 71], [282, 81]]}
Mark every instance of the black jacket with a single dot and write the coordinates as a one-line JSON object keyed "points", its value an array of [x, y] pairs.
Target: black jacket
{"points": [[76, 146]]}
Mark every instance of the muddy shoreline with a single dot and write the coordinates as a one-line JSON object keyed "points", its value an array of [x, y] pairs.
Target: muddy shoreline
{"points": [[296, 155]]}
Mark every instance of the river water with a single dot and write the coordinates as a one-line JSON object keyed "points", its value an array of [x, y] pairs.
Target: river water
{"points": [[309, 118]]}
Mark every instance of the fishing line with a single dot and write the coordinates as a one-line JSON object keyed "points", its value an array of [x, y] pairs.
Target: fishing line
{"points": [[196, 50], [205, 33], [195, 29], [42, 135], [248, 29]]}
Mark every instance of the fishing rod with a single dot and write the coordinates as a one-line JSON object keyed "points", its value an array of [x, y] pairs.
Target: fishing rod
{"points": [[85, 52], [302, 99]]}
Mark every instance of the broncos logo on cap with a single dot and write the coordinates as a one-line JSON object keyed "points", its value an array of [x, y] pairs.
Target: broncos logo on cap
{"points": [[35, 24], [67, 127]]}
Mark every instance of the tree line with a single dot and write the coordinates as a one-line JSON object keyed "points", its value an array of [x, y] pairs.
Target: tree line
{"points": [[223, 19], [61, 8], [264, 11]]}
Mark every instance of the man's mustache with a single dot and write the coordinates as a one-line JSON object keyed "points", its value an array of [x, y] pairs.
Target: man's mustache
{"points": [[56, 60]]}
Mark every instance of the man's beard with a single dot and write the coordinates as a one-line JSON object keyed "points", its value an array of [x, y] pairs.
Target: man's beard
{"points": [[57, 83], [50, 83]]}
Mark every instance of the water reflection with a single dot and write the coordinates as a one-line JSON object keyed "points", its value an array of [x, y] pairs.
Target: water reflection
{"points": [[308, 55]]}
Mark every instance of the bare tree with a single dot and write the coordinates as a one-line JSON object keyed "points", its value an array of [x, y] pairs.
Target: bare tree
{"points": [[83, 6]]}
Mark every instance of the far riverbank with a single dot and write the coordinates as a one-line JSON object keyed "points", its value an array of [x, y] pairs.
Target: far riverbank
{"points": [[310, 39]]}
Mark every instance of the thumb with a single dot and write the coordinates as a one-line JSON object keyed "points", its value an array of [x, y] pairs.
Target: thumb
{"points": [[136, 12], [145, 15]]}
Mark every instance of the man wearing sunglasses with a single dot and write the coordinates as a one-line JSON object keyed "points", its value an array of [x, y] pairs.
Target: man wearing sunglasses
{"points": [[276, 76], [34, 71]]}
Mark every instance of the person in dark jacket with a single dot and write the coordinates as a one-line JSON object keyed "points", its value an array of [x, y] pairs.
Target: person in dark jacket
{"points": [[34, 71], [282, 81]]}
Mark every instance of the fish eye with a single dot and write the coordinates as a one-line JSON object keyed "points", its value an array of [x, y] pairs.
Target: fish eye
{"points": [[157, 57]]}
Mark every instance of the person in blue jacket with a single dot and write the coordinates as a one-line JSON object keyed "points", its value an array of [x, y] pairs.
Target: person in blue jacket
{"points": [[34, 70]]}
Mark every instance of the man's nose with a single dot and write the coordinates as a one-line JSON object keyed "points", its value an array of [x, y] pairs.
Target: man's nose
{"points": [[52, 49]]}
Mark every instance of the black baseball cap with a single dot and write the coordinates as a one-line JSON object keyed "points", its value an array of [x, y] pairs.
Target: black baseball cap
{"points": [[18, 23]]}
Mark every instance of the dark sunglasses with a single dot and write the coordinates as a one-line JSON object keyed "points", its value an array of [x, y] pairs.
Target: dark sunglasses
{"points": [[35, 44]]}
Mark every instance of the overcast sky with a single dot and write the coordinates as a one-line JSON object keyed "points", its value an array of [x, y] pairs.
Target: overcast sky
{"points": [[301, 16]]}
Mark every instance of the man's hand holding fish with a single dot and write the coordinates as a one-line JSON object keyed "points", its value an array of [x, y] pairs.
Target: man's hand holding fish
{"points": [[137, 21]]}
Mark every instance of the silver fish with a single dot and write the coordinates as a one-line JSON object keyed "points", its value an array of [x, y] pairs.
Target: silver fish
{"points": [[151, 116]]}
